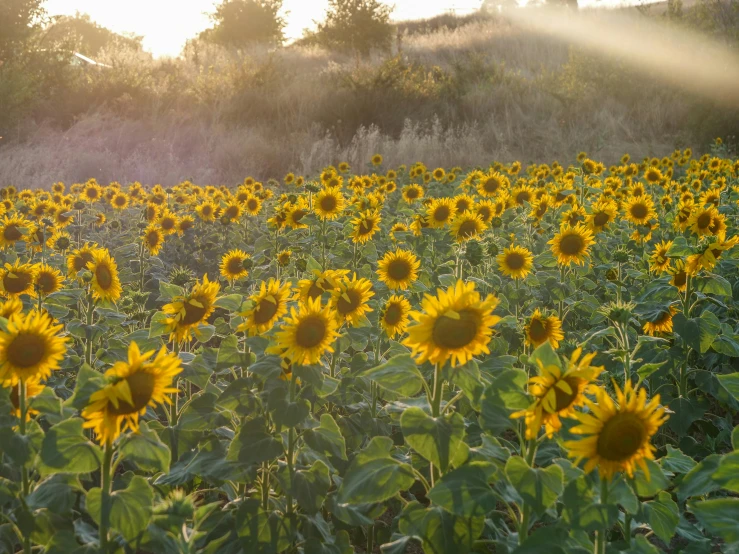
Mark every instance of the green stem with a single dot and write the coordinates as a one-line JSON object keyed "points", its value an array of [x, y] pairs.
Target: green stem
{"points": [[438, 391], [627, 529], [88, 331], [265, 486], [105, 505], [24, 471], [600, 536], [370, 539], [291, 448]]}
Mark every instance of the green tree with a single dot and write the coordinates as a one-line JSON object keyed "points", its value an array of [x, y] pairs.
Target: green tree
{"points": [[356, 25], [86, 36], [240, 23], [19, 20]]}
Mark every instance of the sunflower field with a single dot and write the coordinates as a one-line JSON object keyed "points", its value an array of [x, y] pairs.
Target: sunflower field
{"points": [[510, 359]]}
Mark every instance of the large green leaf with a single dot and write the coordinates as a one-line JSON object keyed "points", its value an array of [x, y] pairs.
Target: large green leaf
{"points": [[146, 450], [130, 509], [310, 487], [663, 516], [252, 444], [719, 516], [326, 440], [66, 449], [503, 396], [465, 491], [439, 531], [399, 374], [438, 440], [698, 332], [730, 382], [538, 488]]}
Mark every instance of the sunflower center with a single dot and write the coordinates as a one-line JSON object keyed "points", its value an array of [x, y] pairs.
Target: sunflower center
{"points": [[451, 332], [467, 229], [491, 185], [251, 204], [621, 437], [81, 261], [141, 385], [538, 331], [411, 193], [344, 306], [366, 227], [46, 283], [11, 232], [572, 245], [310, 332], [235, 265], [153, 238], [16, 282], [168, 223], [600, 219], [680, 279], [104, 276], [485, 213], [463, 206], [399, 270], [193, 313], [26, 350], [442, 213], [120, 201], [639, 211], [298, 215], [265, 311], [328, 203], [393, 314], [523, 196], [514, 260], [563, 399], [703, 220]]}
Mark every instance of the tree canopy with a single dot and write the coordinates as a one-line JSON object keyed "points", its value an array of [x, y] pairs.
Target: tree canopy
{"points": [[240, 23], [356, 25]]}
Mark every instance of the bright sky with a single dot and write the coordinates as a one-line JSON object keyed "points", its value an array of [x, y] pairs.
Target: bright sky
{"points": [[167, 24]]}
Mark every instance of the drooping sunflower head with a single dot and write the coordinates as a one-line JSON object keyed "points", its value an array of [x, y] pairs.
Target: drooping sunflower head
{"points": [[79, 258], [307, 334], [702, 221], [440, 212], [366, 224], [133, 385], [13, 229], [232, 265], [322, 281], [541, 329], [466, 226], [186, 313], [572, 244], [153, 239], [515, 261], [557, 392], [184, 224], [616, 435], [660, 322], [106, 285], [329, 203], [455, 325], [394, 317], [267, 307], [17, 279], [31, 347], [48, 280], [349, 299], [398, 269], [658, 260]]}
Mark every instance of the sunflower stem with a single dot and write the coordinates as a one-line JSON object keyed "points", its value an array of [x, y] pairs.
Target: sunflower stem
{"points": [[88, 331], [105, 497], [291, 448], [24, 471], [265, 486], [600, 536], [438, 391]]}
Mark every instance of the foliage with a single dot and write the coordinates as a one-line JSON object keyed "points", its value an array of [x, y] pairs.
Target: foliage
{"points": [[240, 23], [358, 26], [86, 36]]}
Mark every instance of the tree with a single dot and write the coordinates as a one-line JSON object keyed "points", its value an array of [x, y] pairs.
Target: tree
{"points": [[240, 23], [19, 20], [86, 36], [356, 25]]}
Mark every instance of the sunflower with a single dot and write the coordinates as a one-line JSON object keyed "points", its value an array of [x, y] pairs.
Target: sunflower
{"points": [[466, 226], [640, 209], [366, 224], [10, 306], [398, 269], [48, 279], [658, 260], [232, 265], [92, 191], [329, 203], [307, 333], [618, 433], [78, 259], [440, 212], [377, 159], [105, 283], [349, 299], [185, 223], [709, 257], [522, 194], [283, 257], [119, 201], [31, 347], [233, 210], [167, 222], [463, 203], [268, 306], [33, 388], [394, 317], [153, 239], [571, 244], [601, 214], [13, 229], [18, 279], [485, 209], [679, 275], [703, 220], [187, 312], [662, 323], [455, 324], [252, 205], [206, 211], [557, 393], [295, 213], [322, 281], [492, 183], [134, 384], [412, 192], [541, 329], [515, 261]]}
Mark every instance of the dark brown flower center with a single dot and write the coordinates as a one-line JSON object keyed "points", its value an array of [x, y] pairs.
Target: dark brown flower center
{"points": [[514, 260], [639, 211], [399, 269], [564, 399], [46, 283], [346, 307], [141, 385], [17, 282], [538, 331], [572, 245], [235, 265], [393, 314], [310, 332], [193, 313], [450, 332], [265, 311], [26, 350], [328, 203], [600, 219], [442, 213], [621, 437], [12, 233], [104, 276], [704, 220]]}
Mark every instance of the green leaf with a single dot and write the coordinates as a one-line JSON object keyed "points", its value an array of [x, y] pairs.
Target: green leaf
{"points": [[146, 450], [88, 382], [399, 375], [713, 284], [719, 516], [130, 508], [656, 482], [546, 356], [698, 332], [167, 291], [676, 461], [663, 516], [679, 248], [66, 449], [728, 472], [231, 302], [252, 444], [311, 486], [727, 345], [539, 488], [158, 325], [438, 440], [699, 480], [730, 383], [505, 395], [549, 539], [326, 439], [439, 531], [465, 491]]}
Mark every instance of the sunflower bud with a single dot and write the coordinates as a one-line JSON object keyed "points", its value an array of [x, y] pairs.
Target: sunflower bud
{"points": [[474, 253], [292, 198], [312, 187], [115, 224], [621, 255], [79, 205], [493, 249], [301, 264], [62, 243], [496, 222], [225, 220]]}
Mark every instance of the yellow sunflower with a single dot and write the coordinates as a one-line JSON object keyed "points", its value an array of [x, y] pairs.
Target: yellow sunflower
{"points": [[132, 386], [232, 265], [10, 306], [253, 205], [307, 334], [349, 299], [48, 280], [296, 213], [153, 239], [557, 393], [618, 433], [366, 224], [679, 275], [187, 312], [185, 223], [322, 281], [703, 220], [31, 347], [440, 212], [492, 183], [206, 211], [168, 222], [394, 317], [233, 210], [17, 279], [13, 229], [708, 258], [572, 244], [541, 329], [658, 260], [466, 226], [283, 257], [105, 283], [92, 191], [455, 324], [515, 261], [412, 192], [640, 209], [329, 203], [119, 202], [398, 269], [662, 323], [267, 307], [78, 259]]}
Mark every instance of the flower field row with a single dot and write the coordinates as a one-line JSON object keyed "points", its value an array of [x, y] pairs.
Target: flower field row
{"points": [[511, 359]]}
